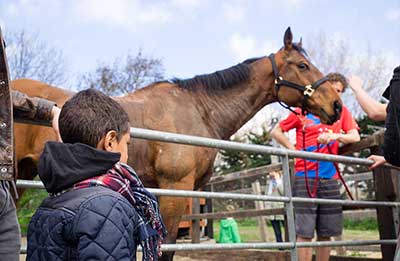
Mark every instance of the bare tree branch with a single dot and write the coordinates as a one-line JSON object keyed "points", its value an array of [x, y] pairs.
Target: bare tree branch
{"points": [[334, 54], [29, 57], [124, 75]]}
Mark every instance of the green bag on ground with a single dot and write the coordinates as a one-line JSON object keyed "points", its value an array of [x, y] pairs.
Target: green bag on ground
{"points": [[229, 232]]}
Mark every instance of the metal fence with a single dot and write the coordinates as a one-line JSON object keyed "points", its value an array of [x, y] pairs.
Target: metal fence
{"points": [[287, 199]]}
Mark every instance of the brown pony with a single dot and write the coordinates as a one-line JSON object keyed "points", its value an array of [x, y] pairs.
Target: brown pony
{"points": [[214, 105]]}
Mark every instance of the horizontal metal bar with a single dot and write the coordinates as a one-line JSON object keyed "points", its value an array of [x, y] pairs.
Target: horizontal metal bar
{"points": [[285, 245], [220, 195], [230, 145]]}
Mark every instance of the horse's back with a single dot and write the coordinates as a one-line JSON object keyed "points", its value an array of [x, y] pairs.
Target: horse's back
{"points": [[39, 89]]}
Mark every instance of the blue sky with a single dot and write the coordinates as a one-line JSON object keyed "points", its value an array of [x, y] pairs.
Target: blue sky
{"points": [[197, 36]]}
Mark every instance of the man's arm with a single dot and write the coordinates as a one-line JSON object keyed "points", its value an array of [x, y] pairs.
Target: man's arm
{"points": [[278, 134], [37, 109], [374, 110], [30, 108], [350, 137]]}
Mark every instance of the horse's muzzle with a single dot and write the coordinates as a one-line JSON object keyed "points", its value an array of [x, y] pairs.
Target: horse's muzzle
{"points": [[337, 108]]}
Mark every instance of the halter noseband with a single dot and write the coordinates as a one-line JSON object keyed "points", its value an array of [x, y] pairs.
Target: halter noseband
{"points": [[307, 90]]}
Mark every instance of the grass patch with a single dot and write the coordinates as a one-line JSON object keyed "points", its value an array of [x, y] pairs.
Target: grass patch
{"points": [[364, 224], [366, 229], [27, 206]]}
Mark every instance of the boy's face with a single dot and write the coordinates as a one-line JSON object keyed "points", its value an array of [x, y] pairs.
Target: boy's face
{"points": [[122, 147], [338, 87], [111, 144]]}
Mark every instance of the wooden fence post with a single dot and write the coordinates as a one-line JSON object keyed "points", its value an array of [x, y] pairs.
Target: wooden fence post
{"points": [[260, 205]]}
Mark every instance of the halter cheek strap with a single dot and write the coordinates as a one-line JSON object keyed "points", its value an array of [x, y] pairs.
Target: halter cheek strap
{"points": [[307, 90]]}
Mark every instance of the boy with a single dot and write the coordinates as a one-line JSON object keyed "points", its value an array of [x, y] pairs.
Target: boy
{"points": [[97, 209]]}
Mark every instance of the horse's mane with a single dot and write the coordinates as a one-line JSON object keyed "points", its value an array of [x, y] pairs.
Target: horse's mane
{"points": [[300, 49], [219, 80]]}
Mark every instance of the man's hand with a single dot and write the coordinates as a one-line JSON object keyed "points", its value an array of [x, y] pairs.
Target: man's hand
{"points": [[326, 137], [355, 83], [378, 161], [55, 114]]}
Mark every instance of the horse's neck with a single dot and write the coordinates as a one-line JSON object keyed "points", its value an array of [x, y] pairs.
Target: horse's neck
{"points": [[228, 110]]}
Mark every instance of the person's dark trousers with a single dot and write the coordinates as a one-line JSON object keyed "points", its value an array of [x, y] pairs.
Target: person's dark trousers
{"points": [[276, 224], [10, 236]]}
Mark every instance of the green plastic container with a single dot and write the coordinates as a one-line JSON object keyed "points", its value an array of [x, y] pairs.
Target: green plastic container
{"points": [[229, 232]]}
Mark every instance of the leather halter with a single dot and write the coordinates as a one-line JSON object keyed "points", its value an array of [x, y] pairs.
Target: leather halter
{"points": [[307, 90]]}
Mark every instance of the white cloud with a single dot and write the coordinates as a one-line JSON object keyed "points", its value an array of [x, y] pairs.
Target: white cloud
{"points": [[33, 7], [392, 15], [234, 13], [186, 5], [246, 46], [292, 4], [129, 13], [242, 46]]}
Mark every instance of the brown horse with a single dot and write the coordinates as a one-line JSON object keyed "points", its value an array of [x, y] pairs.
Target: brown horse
{"points": [[214, 105]]}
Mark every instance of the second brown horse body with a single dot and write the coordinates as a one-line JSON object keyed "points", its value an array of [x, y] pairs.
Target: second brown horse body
{"points": [[214, 105]]}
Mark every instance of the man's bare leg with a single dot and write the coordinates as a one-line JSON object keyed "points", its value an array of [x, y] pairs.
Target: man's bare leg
{"points": [[323, 253], [305, 253]]}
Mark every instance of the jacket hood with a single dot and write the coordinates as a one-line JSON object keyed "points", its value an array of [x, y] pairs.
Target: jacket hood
{"points": [[62, 164]]}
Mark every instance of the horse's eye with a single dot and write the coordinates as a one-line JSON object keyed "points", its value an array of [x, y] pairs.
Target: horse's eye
{"points": [[302, 66]]}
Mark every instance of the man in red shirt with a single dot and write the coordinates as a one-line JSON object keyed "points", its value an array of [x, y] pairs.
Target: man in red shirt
{"points": [[313, 136]]}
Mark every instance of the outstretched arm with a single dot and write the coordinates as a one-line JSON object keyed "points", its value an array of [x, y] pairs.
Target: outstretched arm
{"points": [[278, 134], [375, 110]]}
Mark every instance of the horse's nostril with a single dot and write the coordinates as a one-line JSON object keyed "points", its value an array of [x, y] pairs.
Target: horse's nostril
{"points": [[337, 106]]}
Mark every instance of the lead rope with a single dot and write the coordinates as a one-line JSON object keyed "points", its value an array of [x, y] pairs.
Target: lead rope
{"points": [[340, 175], [311, 194]]}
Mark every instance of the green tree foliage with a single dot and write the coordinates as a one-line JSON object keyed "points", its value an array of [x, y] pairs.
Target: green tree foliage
{"points": [[368, 126], [124, 75]]}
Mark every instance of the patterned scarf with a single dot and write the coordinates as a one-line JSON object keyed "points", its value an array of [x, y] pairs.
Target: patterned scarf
{"points": [[123, 179]]}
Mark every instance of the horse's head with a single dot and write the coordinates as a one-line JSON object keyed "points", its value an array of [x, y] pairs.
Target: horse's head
{"points": [[300, 84]]}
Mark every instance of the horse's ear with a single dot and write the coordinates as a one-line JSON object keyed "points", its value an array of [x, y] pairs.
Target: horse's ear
{"points": [[287, 39], [300, 44]]}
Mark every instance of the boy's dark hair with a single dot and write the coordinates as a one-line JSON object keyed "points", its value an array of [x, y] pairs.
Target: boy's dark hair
{"points": [[89, 115], [338, 77]]}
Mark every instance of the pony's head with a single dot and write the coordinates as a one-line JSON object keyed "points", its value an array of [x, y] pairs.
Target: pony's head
{"points": [[300, 84]]}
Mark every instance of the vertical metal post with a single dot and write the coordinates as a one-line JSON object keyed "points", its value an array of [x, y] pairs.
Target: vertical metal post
{"points": [[289, 205]]}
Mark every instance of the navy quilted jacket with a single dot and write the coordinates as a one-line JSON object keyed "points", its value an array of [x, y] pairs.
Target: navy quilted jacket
{"points": [[93, 223]]}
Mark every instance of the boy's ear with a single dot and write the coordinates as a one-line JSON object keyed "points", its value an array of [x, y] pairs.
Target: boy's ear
{"points": [[108, 142]]}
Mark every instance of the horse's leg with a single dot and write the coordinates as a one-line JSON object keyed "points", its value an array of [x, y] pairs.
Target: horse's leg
{"points": [[27, 169], [173, 208]]}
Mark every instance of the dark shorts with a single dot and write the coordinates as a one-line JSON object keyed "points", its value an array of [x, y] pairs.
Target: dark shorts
{"points": [[326, 220]]}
